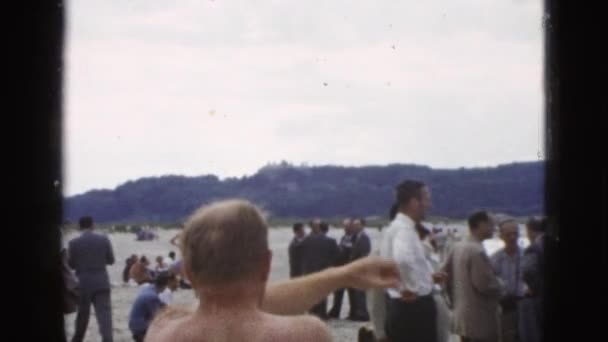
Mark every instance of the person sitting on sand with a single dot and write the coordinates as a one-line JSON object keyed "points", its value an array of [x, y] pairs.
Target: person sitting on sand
{"points": [[139, 271], [146, 305], [128, 264], [160, 265], [170, 260], [227, 259]]}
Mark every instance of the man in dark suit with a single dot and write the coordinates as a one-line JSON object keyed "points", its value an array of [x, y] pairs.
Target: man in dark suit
{"points": [[318, 253], [88, 255], [535, 267], [345, 249], [295, 250], [361, 248]]}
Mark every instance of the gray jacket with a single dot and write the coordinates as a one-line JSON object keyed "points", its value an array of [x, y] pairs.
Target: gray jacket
{"points": [[474, 291], [88, 255]]}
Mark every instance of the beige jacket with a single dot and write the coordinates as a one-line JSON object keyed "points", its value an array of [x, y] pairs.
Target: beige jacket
{"points": [[474, 291]]}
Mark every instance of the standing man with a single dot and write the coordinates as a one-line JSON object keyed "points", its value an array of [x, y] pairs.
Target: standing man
{"points": [[361, 248], [88, 255], [507, 266], [473, 288], [345, 248], [319, 252], [536, 265], [407, 313], [295, 250]]}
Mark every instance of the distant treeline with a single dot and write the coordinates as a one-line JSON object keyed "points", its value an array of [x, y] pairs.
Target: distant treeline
{"points": [[287, 192]]}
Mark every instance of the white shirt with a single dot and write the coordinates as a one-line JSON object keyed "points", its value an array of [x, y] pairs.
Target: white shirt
{"points": [[401, 243], [166, 296]]}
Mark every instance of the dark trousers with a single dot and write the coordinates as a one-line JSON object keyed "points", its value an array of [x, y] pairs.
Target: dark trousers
{"points": [[101, 301], [320, 310], [337, 306], [358, 305], [412, 322]]}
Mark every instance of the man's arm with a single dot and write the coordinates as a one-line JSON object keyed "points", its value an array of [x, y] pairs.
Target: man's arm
{"points": [[366, 246], [530, 269], [110, 253], [448, 270], [292, 260], [71, 257], [296, 296], [482, 275]]}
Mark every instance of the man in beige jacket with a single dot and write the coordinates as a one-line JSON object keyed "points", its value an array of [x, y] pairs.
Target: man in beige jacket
{"points": [[473, 287]]}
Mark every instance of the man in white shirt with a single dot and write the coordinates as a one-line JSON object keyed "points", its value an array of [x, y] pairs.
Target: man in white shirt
{"points": [[409, 312]]}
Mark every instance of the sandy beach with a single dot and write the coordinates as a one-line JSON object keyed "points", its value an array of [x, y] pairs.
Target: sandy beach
{"points": [[122, 296]]}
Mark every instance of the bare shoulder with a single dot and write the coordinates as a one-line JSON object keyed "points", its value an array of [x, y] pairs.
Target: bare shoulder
{"points": [[302, 329], [164, 326]]}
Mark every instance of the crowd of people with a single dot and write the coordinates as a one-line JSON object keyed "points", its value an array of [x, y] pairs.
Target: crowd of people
{"points": [[419, 284]]}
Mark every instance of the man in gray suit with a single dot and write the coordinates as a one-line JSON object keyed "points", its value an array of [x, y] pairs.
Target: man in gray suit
{"points": [[88, 255], [473, 287]]}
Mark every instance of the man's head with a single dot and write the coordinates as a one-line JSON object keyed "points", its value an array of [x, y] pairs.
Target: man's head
{"points": [[159, 259], [509, 233], [348, 225], [163, 279], [535, 227], [358, 225], [225, 245], [85, 222], [298, 230], [172, 255], [324, 227], [144, 260], [481, 225], [413, 199]]}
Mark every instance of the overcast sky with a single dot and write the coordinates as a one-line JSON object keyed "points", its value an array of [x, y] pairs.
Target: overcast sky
{"points": [[224, 87]]}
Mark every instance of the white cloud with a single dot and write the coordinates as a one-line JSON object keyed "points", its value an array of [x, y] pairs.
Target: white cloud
{"points": [[223, 87]]}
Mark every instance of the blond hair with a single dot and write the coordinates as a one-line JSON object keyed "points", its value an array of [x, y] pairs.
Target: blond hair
{"points": [[225, 242]]}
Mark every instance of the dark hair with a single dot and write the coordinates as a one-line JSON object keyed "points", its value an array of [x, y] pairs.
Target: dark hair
{"points": [[143, 259], [324, 227], [478, 217], [163, 278], [297, 226], [392, 213], [85, 222], [172, 255], [362, 220], [408, 190]]}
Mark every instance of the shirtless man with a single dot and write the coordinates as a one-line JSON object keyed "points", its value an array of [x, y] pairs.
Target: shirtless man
{"points": [[227, 259]]}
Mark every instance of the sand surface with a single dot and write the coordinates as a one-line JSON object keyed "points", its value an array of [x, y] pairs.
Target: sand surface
{"points": [[122, 296]]}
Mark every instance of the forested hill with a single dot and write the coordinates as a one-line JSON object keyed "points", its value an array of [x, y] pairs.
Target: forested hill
{"points": [[325, 191]]}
